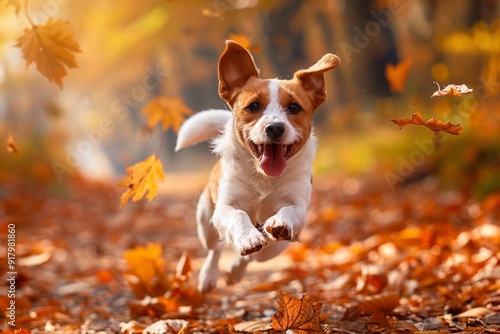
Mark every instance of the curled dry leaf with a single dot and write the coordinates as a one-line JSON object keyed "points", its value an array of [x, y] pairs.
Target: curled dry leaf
{"points": [[433, 124], [142, 177], [379, 303], [452, 90], [397, 75], [300, 315], [170, 111], [51, 46]]}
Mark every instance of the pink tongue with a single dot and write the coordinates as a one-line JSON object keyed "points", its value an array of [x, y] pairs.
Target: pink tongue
{"points": [[273, 160]]}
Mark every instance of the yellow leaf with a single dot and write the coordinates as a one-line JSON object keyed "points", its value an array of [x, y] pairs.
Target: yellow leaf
{"points": [[168, 110], [397, 74], [145, 262], [452, 90], [51, 46], [300, 315], [142, 177]]}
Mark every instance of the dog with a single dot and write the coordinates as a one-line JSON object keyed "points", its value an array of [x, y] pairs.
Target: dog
{"points": [[259, 191]]}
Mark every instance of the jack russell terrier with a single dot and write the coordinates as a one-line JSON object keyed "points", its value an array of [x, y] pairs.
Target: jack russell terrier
{"points": [[259, 191]]}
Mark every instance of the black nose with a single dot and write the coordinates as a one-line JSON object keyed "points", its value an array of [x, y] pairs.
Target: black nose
{"points": [[275, 130]]}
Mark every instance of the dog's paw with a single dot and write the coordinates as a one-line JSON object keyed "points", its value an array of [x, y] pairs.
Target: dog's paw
{"points": [[276, 228], [250, 243]]}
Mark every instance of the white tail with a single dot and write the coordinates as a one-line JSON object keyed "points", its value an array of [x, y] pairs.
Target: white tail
{"points": [[202, 126]]}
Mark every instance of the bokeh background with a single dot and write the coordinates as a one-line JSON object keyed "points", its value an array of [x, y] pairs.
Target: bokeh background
{"points": [[135, 51]]}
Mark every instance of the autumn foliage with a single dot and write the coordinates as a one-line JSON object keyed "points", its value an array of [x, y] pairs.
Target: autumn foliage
{"points": [[119, 253]]}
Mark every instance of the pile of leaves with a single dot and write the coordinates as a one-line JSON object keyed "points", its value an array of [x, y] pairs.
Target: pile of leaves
{"points": [[416, 260]]}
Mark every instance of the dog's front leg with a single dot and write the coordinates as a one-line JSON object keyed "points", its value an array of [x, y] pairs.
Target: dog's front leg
{"points": [[237, 229], [286, 224]]}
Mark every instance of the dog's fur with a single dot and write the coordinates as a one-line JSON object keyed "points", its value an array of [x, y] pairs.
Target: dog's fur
{"points": [[259, 190]]}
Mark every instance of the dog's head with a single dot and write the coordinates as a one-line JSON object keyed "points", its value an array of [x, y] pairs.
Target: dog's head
{"points": [[272, 118]]}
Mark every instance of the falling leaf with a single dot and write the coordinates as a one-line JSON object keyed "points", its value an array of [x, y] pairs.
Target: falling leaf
{"points": [[16, 4], [51, 46], [300, 315], [245, 42], [397, 75], [142, 177], [452, 90], [433, 124], [11, 144], [168, 110]]}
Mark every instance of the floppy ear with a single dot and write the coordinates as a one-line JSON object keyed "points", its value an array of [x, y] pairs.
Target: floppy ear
{"points": [[312, 79], [236, 67]]}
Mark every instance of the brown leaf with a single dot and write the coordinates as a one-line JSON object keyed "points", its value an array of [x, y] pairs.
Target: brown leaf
{"points": [[433, 124], [301, 315], [379, 303], [142, 177], [168, 110], [51, 46], [11, 144], [452, 90], [184, 266], [397, 75]]}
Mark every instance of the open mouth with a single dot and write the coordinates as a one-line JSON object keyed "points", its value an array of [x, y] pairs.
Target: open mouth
{"points": [[272, 157]]}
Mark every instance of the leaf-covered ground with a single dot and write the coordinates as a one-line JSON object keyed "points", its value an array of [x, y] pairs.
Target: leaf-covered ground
{"points": [[415, 260]]}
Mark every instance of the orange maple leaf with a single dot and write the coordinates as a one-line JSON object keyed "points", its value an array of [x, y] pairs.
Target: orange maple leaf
{"points": [[397, 75], [300, 315], [51, 46], [452, 90], [168, 110], [145, 262], [433, 124], [142, 177], [245, 42]]}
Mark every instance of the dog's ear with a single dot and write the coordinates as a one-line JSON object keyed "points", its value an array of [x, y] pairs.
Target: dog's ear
{"points": [[236, 67], [312, 79]]}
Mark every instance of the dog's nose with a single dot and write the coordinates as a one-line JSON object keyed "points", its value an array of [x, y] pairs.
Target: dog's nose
{"points": [[275, 130]]}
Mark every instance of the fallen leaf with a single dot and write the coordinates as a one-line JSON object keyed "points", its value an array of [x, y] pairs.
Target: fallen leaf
{"points": [[252, 326], [379, 303], [170, 326], [51, 46], [184, 266], [142, 177], [397, 75], [145, 262], [433, 124], [168, 110], [300, 315], [452, 90], [11, 144]]}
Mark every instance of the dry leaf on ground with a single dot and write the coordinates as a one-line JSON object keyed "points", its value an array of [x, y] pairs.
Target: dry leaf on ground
{"points": [[397, 75], [433, 124], [142, 177], [170, 111], [452, 90], [300, 315], [51, 46]]}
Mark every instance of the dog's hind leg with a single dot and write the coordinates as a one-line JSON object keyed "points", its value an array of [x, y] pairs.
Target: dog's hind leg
{"points": [[209, 238]]}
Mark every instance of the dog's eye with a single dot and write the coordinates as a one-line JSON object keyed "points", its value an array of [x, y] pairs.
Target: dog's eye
{"points": [[294, 108], [254, 107]]}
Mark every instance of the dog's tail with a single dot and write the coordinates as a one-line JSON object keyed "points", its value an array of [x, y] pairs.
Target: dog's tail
{"points": [[202, 126]]}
